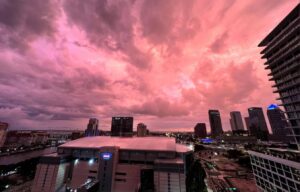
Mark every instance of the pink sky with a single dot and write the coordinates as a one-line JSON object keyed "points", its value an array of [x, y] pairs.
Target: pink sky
{"points": [[164, 62]]}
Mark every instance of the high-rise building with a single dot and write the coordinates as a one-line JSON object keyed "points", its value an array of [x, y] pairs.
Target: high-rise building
{"points": [[257, 123], [236, 121], [122, 126], [278, 123], [200, 130], [215, 122], [3, 132], [92, 128], [115, 164], [283, 59], [247, 122], [279, 169], [141, 130]]}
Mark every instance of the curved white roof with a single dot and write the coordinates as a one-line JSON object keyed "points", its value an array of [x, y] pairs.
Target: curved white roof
{"points": [[131, 143]]}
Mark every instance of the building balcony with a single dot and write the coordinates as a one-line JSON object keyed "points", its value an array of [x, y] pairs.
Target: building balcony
{"points": [[293, 27], [292, 111], [287, 86], [286, 79], [286, 55], [292, 43], [286, 70], [290, 103], [293, 118], [288, 94]]}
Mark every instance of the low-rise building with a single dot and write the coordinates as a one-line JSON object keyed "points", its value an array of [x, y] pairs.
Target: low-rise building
{"points": [[120, 164], [276, 169]]}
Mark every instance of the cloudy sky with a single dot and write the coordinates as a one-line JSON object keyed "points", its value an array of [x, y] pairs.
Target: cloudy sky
{"points": [[165, 62]]}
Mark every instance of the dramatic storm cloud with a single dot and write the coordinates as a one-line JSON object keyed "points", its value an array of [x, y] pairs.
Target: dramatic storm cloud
{"points": [[164, 62]]}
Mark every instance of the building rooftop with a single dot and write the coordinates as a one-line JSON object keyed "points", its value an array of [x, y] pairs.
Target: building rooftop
{"points": [[130, 143], [283, 153]]}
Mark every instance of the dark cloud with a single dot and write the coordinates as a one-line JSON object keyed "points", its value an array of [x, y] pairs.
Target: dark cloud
{"points": [[40, 93], [168, 22], [108, 25], [219, 45], [161, 107], [23, 21]]}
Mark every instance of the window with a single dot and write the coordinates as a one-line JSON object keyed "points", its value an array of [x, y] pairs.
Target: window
{"points": [[92, 171], [120, 180], [120, 173]]}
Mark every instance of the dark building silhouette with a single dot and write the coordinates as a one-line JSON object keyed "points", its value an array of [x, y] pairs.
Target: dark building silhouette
{"points": [[215, 123], [92, 128], [236, 121], [141, 130], [278, 123], [282, 51], [200, 130], [247, 122], [122, 126], [257, 123]]}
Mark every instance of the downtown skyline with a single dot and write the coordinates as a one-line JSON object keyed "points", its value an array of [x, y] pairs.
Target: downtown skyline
{"points": [[164, 63]]}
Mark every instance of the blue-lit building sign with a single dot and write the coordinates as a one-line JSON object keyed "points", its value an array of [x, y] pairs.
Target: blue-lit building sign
{"points": [[272, 106], [106, 156], [207, 140]]}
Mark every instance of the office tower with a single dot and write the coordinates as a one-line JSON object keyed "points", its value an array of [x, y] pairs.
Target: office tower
{"points": [[200, 130], [141, 130], [215, 123], [236, 121], [283, 59], [3, 132], [278, 123], [115, 164], [247, 122], [279, 169], [122, 126], [92, 128], [257, 123]]}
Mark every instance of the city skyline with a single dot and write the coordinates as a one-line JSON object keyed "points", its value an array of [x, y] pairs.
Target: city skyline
{"points": [[61, 68]]}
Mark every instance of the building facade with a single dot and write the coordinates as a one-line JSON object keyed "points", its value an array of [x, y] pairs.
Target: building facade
{"points": [[200, 130], [118, 164], [282, 51], [257, 123], [275, 173], [92, 128], [215, 123], [3, 133], [236, 121], [247, 122], [122, 126], [278, 123], [279, 169]]}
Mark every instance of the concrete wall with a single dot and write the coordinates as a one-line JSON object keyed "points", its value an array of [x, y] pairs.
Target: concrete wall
{"points": [[127, 177], [45, 178], [82, 170], [165, 182]]}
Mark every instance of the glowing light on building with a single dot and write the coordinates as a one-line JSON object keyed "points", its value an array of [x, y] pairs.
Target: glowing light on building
{"points": [[272, 106], [91, 161], [106, 156]]}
